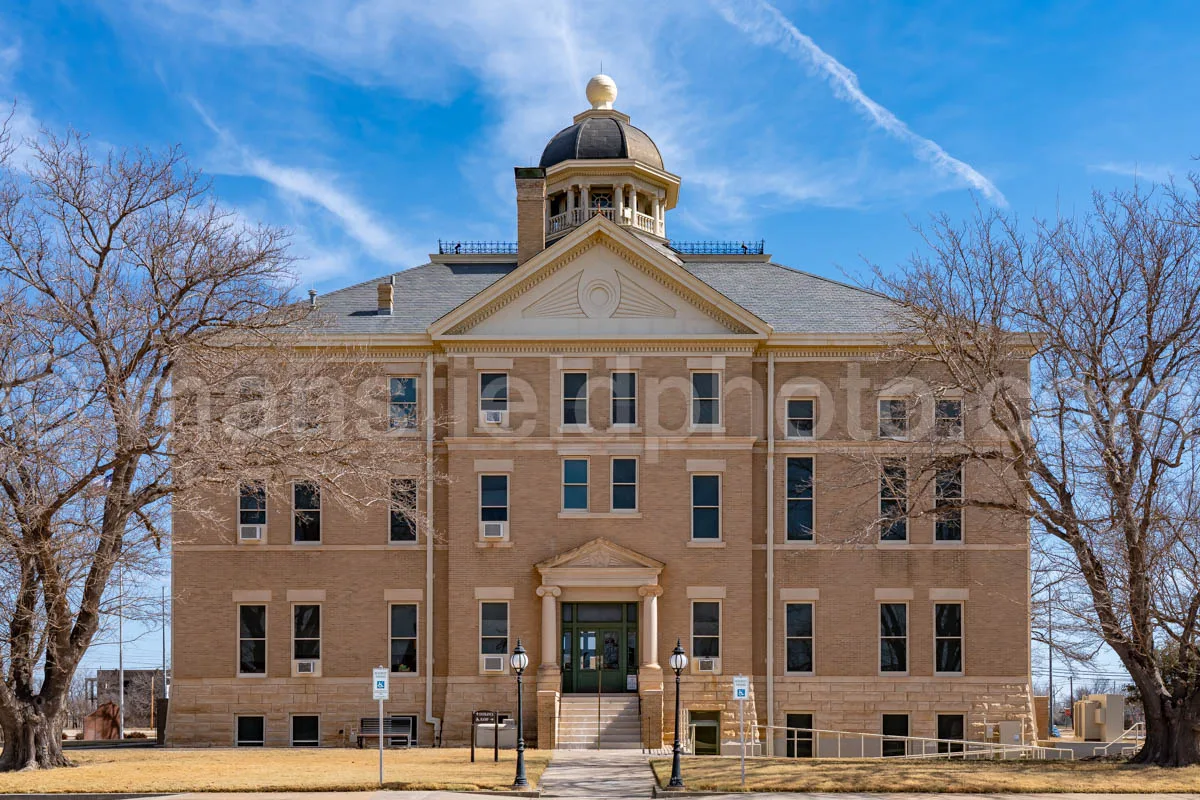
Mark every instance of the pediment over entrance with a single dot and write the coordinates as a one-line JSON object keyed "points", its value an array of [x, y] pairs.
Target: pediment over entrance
{"points": [[600, 562]]}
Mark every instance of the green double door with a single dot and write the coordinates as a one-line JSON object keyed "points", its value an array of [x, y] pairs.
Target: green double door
{"points": [[599, 647]]}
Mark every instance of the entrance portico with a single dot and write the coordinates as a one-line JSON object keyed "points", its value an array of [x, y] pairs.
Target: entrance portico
{"points": [[590, 583]]}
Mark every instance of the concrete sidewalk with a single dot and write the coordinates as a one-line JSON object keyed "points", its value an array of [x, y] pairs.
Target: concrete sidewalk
{"points": [[598, 774]]}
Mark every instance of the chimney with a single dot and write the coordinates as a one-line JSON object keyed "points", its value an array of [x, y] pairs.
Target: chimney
{"points": [[385, 297], [531, 212]]}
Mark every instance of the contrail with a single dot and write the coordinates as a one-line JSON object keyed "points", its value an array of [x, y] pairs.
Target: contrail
{"points": [[767, 26]]}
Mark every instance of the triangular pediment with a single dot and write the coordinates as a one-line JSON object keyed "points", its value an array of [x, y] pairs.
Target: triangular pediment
{"points": [[599, 281], [600, 554]]}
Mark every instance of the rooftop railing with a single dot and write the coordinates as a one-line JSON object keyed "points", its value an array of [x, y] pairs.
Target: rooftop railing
{"points": [[730, 248], [456, 247]]}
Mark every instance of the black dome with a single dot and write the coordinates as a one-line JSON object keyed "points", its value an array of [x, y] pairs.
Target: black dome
{"points": [[601, 137]]}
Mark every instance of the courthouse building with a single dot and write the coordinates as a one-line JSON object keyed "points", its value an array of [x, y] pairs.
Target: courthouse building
{"points": [[630, 440]]}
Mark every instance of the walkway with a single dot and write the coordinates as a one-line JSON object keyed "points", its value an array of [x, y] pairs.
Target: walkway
{"points": [[598, 774]]}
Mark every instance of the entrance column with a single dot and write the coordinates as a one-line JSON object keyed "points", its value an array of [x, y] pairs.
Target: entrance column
{"points": [[549, 676], [650, 675], [650, 596]]}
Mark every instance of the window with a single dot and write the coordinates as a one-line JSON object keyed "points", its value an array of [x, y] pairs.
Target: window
{"points": [[575, 484], [404, 637], [800, 499], [800, 419], [402, 403], [624, 398], [493, 498], [893, 501], [493, 391], [893, 637], [306, 730], [799, 637], [706, 629], [251, 731], [306, 632], [948, 637], [252, 503], [624, 484], [895, 725], [948, 497], [306, 521], [893, 418], [575, 387], [950, 727], [493, 629], [252, 640], [401, 514], [947, 419], [706, 398], [799, 735], [706, 507]]}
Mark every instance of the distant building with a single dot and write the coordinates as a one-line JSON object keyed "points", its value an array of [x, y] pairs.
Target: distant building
{"points": [[141, 686]]}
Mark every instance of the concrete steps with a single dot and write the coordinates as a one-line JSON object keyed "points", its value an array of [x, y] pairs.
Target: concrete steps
{"points": [[614, 719]]}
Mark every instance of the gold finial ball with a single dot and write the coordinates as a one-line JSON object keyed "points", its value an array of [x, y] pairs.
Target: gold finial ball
{"points": [[601, 92]]}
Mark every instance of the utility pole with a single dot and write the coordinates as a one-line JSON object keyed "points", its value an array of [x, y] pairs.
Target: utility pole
{"points": [[121, 655], [1050, 655], [164, 640]]}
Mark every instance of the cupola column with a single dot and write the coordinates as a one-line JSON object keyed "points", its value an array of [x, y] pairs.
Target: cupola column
{"points": [[583, 199], [619, 201], [633, 202], [570, 200]]}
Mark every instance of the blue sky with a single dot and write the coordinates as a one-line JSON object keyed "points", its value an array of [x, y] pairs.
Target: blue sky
{"points": [[371, 129]]}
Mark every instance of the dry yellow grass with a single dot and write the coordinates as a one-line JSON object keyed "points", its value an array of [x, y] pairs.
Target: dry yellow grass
{"points": [[714, 773], [244, 770]]}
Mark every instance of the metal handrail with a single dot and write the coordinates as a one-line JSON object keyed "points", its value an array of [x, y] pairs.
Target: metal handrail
{"points": [[1138, 729], [726, 248], [456, 247], [965, 748]]}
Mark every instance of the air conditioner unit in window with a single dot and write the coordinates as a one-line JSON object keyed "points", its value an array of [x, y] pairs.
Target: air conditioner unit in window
{"points": [[309, 668], [712, 665], [491, 663], [493, 417], [493, 530], [250, 533]]}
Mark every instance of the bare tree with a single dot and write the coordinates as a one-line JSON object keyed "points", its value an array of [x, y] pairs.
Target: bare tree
{"points": [[1096, 439], [127, 294]]}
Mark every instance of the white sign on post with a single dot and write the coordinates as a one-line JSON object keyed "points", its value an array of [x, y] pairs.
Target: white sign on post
{"points": [[741, 693], [379, 683], [741, 687]]}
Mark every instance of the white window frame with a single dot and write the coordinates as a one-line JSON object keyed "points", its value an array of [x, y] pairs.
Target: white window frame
{"points": [[812, 637], [507, 628], [962, 637], [412, 420], [906, 637], [787, 418], [265, 509], [320, 632], [292, 729], [908, 414], [237, 741], [937, 418], [720, 626], [416, 638], [962, 528], [612, 406], [265, 639], [416, 505], [320, 516], [584, 400], [787, 734], [692, 399], [507, 498], [720, 537], [587, 485], [884, 525], [890, 737], [612, 484], [787, 501], [507, 391]]}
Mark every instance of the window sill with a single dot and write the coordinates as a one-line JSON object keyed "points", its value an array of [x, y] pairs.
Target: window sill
{"points": [[504, 543], [625, 429], [405, 675], [405, 545], [252, 675], [599, 515], [796, 544], [706, 429], [490, 429], [407, 433], [575, 429], [894, 543], [706, 543], [893, 674], [947, 542], [799, 438], [307, 544], [800, 674], [949, 674]]}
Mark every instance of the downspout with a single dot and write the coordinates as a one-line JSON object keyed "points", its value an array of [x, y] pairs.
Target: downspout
{"points": [[436, 722], [770, 553]]}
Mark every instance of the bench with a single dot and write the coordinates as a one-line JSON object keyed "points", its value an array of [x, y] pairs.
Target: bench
{"points": [[393, 730]]}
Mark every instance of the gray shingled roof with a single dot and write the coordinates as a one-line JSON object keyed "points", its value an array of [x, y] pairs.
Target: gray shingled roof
{"points": [[789, 300]]}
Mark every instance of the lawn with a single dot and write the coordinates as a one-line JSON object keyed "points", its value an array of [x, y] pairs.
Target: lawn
{"points": [[716, 773], [275, 770]]}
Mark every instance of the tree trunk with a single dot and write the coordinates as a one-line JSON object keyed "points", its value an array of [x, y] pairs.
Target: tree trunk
{"points": [[1172, 734], [32, 741]]}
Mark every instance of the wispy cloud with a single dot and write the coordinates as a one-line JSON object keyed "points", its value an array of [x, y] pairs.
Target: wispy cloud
{"points": [[766, 25], [1156, 173], [355, 219]]}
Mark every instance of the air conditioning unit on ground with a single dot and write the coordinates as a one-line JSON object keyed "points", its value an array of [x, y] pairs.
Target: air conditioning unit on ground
{"points": [[493, 664], [710, 666], [250, 533], [493, 530], [306, 668], [493, 417]]}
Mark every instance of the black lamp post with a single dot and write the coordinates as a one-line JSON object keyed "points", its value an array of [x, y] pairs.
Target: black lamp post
{"points": [[519, 661], [679, 661]]}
